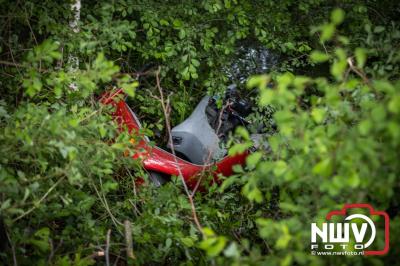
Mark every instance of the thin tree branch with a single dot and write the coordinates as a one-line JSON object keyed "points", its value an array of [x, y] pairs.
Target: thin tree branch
{"points": [[107, 255], [40, 201], [128, 240], [12, 249], [359, 72], [13, 64], [208, 160], [165, 108]]}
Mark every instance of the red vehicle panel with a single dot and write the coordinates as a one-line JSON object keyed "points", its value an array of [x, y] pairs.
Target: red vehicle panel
{"points": [[158, 160]]}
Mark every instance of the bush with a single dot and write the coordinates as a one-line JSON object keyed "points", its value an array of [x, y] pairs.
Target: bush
{"points": [[66, 190]]}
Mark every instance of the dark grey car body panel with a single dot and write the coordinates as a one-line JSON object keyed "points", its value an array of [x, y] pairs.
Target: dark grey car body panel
{"points": [[198, 141]]}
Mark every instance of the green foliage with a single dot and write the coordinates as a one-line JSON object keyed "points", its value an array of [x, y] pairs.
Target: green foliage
{"points": [[64, 182], [338, 146]]}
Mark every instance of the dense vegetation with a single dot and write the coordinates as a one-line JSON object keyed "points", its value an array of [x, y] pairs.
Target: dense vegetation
{"points": [[66, 188]]}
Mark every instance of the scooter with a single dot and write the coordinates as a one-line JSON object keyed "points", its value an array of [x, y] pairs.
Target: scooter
{"points": [[195, 142]]}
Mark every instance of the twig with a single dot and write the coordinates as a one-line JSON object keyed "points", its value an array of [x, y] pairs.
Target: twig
{"points": [[15, 64], [107, 255], [93, 113], [51, 251], [12, 249], [34, 37], [209, 153], [137, 74], [358, 72], [104, 202], [54, 251], [323, 44], [30, 28], [168, 126], [40, 201], [115, 76], [128, 240], [2, 62], [138, 213], [19, 65], [7, 75]]}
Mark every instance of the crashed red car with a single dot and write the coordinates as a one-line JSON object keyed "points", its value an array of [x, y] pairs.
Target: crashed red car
{"points": [[195, 141]]}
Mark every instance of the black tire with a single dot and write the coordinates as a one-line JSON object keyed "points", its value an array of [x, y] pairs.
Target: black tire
{"points": [[158, 179]]}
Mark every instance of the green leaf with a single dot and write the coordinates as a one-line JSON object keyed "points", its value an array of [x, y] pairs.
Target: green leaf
{"points": [[353, 180], [185, 73], [239, 148], [279, 168], [361, 57], [378, 114], [266, 96], [168, 243], [182, 34], [379, 29], [237, 168], [318, 114], [177, 23], [129, 90], [232, 251], [259, 81], [242, 132], [213, 245], [253, 159], [6, 204], [384, 86], [41, 239], [255, 194], [337, 16], [338, 67], [164, 22], [184, 58], [394, 104], [364, 127], [319, 57], [323, 168], [344, 40], [195, 62], [290, 207], [187, 241], [284, 238], [208, 231], [327, 32]]}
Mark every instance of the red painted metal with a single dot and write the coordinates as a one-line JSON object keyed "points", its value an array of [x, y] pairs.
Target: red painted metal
{"points": [[158, 160]]}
